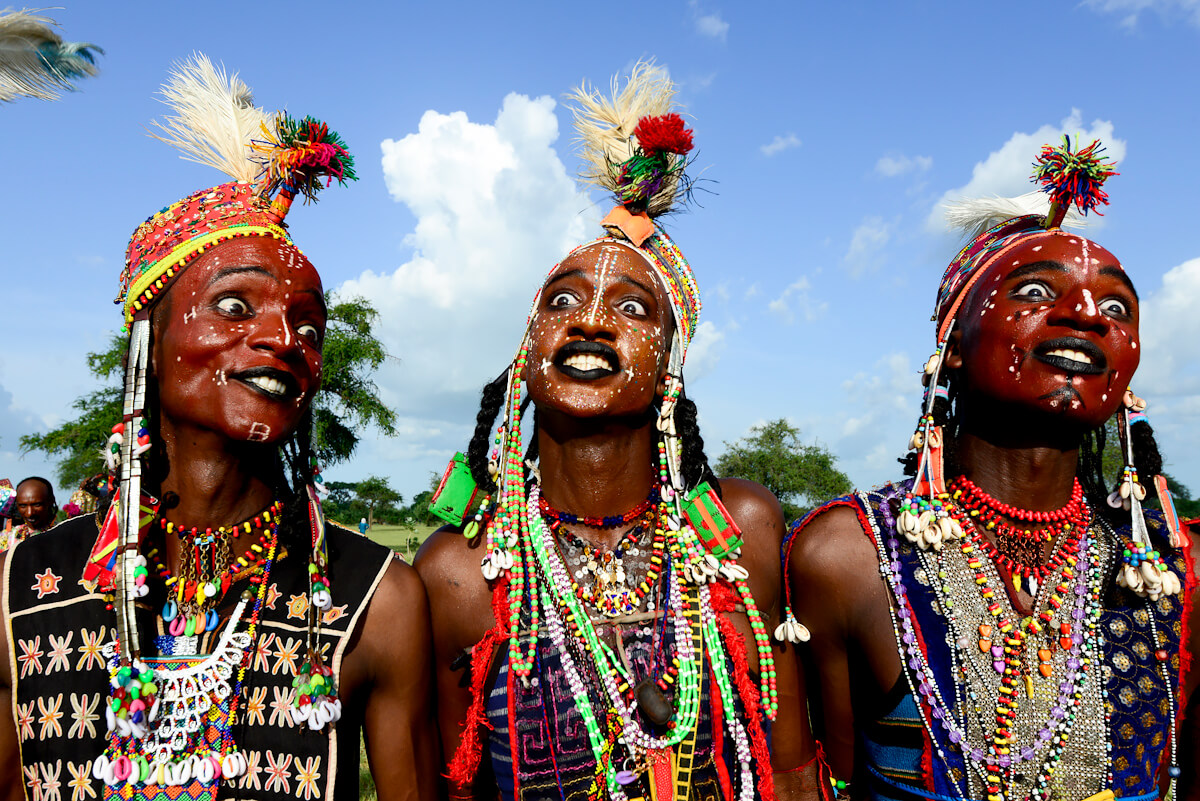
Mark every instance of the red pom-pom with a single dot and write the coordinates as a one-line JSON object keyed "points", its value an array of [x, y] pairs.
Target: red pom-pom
{"points": [[665, 134]]}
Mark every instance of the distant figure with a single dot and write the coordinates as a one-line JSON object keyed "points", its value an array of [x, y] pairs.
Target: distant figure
{"points": [[362, 526], [36, 504]]}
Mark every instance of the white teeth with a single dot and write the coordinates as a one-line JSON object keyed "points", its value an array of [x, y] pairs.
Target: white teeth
{"points": [[1073, 355], [587, 361], [272, 385]]}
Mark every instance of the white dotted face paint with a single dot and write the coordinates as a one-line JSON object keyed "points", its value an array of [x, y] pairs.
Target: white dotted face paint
{"points": [[189, 315], [602, 269], [1091, 304], [258, 432]]}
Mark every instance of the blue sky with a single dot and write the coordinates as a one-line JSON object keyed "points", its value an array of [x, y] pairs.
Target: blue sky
{"points": [[829, 133]]}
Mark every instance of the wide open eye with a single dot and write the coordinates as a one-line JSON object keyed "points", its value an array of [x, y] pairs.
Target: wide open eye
{"points": [[562, 300], [311, 333], [633, 306], [233, 306], [1033, 290], [1114, 307]]}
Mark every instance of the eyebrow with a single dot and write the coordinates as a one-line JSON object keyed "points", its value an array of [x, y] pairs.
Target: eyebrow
{"points": [[627, 280], [1122, 276], [319, 296], [228, 271], [563, 277], [1036, 267]]}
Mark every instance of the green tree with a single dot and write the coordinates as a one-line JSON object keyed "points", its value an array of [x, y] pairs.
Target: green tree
{"points": [[800, 475], [374, 493], [347, 403]]}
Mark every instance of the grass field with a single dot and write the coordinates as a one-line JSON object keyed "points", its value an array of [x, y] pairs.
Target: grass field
{"points": [[396, 537]]}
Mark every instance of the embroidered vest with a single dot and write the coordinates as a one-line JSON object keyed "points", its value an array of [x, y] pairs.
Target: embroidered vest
{"points": [[57, 628]]}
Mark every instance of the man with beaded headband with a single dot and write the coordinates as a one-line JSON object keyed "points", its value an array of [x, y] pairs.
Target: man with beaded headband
{"points": [[1027, 639], [214, 638], [602, 617]]}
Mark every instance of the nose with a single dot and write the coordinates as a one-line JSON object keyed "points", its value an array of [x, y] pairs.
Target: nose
{"points": [[1078, 309], [273, 332]]}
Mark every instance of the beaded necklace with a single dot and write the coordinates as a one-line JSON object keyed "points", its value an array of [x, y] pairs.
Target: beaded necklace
{"points": [[610, 592], [609, 521], [170, 727], [207, 569], [997, 762]]}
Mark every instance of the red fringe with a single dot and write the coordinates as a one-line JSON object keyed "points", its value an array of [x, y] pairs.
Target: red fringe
{"points": [[465, 764], [1185, 651], [824, 774], [735, 645]]}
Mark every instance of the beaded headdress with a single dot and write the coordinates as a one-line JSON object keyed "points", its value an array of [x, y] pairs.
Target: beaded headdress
{"points": [[272, 158]]}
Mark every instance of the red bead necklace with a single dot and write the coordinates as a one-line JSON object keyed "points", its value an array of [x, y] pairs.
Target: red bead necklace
{"points": [[610, 521]]}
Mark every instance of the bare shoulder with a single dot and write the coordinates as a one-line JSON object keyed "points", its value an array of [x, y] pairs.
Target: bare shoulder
{"points": [[460, 599], [753, 507]]}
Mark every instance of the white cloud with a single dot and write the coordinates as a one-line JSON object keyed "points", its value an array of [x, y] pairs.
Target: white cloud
{"points": [[1131, 9], [1169, 375], [875, 417], [867, 244], [704, 351], [796, 299], [1005, 172], [495, 211], [890, 166], [780, 144], [710, 25]]}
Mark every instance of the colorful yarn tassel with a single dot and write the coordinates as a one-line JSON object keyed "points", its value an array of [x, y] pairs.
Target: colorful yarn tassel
{"points": [[1073, 177]]}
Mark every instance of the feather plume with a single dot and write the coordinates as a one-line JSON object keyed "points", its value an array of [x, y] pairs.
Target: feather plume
{"points": [[606, 125], [35, 61], [215, 118], [973, 216]]}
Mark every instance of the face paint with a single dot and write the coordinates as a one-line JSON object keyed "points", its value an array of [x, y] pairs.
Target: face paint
{"points": [[1068, 333], [591, 341], [251, 362]]}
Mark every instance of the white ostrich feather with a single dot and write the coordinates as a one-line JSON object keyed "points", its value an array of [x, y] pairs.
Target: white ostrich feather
{"points": [[35, 61], [215, 118], [605, 127], [973, 216]]}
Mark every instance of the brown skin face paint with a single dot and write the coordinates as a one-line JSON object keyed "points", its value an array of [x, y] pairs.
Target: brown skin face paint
{"points": [[599, 337], [238, 349], [1052, 329]]}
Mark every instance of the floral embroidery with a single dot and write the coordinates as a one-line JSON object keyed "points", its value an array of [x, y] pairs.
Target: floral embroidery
{"points": [[298, 607], [255, 705], [89, 649], [31, 656], [279, 773], [25, 720], [262, 652], [46, 584], [333, 614], [281, 707], [51, 713], [50, 784], [60, 649], [250, 779], [33, 781], [285, 655], [81, 781], [273, 595], [85, 715], [307, 778]]}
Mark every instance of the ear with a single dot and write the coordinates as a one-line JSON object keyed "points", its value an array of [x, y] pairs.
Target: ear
{"points": [[952, 358]]}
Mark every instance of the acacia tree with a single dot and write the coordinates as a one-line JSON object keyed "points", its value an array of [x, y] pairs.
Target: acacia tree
{"points": [[375, 493], [347, 402], [800, 475]]}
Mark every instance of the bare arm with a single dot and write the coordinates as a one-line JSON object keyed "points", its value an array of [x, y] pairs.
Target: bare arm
{"points": [[793, 748], [838, 595], [12, 787], [460, 609], [398, 716]]}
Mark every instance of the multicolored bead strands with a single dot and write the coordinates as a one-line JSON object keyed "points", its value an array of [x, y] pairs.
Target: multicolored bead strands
{"points": [[996, 760], [171, 727]]}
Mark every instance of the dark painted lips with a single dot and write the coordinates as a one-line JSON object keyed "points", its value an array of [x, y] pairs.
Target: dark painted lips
{"points": [[594, 348], [291, 387], [1099, 361]]}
